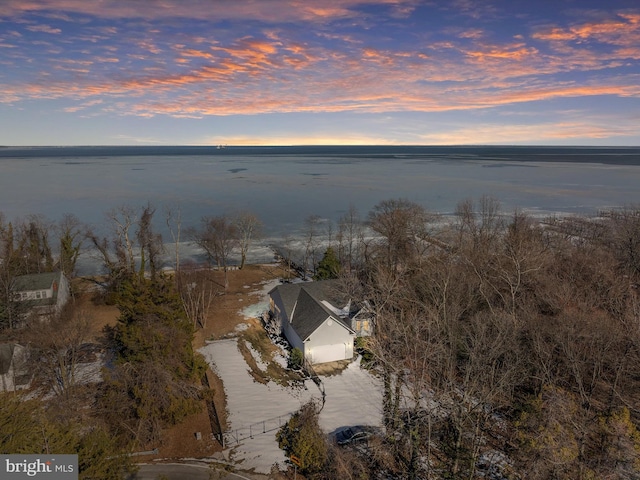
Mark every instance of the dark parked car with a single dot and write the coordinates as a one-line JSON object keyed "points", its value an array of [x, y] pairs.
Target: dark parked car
{"points": [[357, 434]]}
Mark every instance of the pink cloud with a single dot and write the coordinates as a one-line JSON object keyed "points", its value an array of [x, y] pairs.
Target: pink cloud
{"points": [[215, 96], [106, 59], [255, 76], [518, 53], [190, 52], [268, 11], [83, 106], [475, 34], [195, 77], [44, 29], [623, 30]]}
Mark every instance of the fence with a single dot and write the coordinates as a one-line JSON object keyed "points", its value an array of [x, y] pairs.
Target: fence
{"points": [[258, 428], [216, 428]]}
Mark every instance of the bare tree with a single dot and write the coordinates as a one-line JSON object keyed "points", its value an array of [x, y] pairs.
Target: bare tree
{"points": [[33, 244], [72, 235], [249, 229], [624, 237], [150, 242], [401, 224], [218, 237], [121, 251], [122, 220], [173, 219], [312, 232], [480, 225], [287, 242], [9, 268], [58, 346], [329, 230], [197, 291], [350, 233]]}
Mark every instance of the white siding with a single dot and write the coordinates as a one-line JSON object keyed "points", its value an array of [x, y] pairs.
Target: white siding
{"points": [[330, 342], [329, 353]]}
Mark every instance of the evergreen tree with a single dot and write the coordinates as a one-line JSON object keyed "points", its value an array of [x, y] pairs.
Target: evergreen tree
{"points": [[26, 427], [153, 384], [329, 266], [302, 437]]}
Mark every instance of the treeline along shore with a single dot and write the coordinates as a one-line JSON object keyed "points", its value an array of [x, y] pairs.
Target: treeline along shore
{"points": [[504, 342]]}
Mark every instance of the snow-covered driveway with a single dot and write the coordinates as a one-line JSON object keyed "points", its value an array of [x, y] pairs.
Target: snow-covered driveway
{"points": [[353, 397]]}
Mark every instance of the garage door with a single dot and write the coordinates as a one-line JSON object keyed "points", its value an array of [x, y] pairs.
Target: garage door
{"points": [[327, 353]]}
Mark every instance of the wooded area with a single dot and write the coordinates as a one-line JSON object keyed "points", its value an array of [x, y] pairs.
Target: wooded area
{"points": [[506, 344], [152, 378]]}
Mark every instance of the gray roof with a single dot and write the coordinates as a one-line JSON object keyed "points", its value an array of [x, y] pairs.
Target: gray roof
{"points": [[302, 304], [289, 294], [328, 290], [308, 315], [35, 281]]}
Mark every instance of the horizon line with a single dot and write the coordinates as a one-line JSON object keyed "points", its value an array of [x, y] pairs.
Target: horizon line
{"points": [[377, 145]]}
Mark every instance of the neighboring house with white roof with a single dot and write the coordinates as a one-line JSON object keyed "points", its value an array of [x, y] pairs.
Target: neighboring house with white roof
{"points": [[318, 319], [42, 293], [14, 374]]}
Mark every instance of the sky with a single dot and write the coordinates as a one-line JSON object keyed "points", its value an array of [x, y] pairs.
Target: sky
{"points": [[307, 72]]}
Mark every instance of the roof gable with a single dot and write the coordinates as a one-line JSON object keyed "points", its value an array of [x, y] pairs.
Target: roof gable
{"points": [[303, 305], [308, 315]]}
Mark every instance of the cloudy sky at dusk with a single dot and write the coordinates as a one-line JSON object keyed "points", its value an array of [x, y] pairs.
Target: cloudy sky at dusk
{"points": [[282, 72]]}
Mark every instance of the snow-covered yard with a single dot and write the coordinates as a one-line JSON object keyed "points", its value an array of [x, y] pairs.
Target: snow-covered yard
{"points": [[256, 410]]}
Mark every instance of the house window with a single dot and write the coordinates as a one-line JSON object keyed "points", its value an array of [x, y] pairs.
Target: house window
{"points": [[44, 294], [358, 325], [38, 294], [365, 324]]}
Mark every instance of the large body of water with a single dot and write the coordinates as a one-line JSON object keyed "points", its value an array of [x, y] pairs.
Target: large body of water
{"points": [[284, 185]]}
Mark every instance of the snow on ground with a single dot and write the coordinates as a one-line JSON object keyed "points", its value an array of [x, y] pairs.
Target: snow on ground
{"points": [[255, 411], [255, 310], [90, 372], [281, 357], [84, 373], [256, 356], [353, 397], [249, 404]]}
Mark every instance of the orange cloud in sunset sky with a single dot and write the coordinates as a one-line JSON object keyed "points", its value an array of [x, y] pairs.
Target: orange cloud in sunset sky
{"points": [[420, 61]]}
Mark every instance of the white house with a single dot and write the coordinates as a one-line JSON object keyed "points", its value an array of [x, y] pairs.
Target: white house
{"points": [[14, 374], [42, 293], [316, 318]]}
